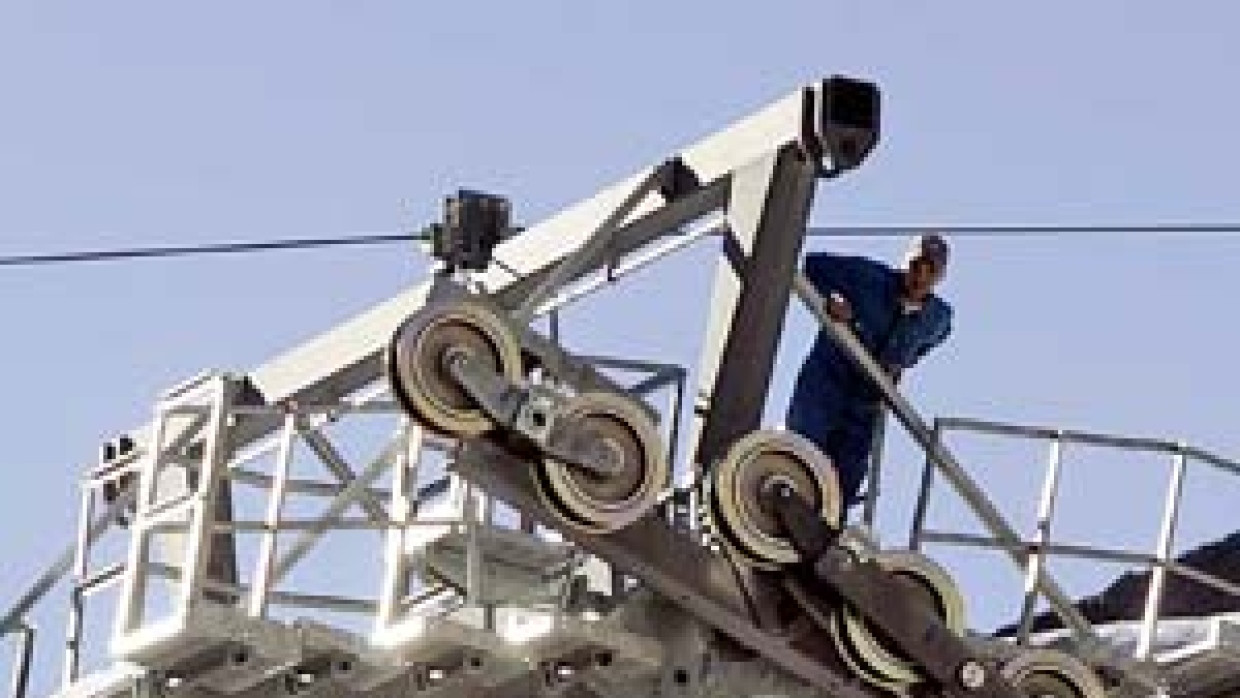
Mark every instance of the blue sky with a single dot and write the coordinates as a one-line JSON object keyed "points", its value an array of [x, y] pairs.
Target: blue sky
{"points": [[147, 123]]}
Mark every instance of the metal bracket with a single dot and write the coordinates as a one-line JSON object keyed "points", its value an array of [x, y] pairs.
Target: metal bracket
{"points": [[535, 413], [564, 367], [497, 397]]}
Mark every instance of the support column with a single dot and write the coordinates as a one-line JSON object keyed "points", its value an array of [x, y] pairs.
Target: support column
{"points": [[767, 212]]}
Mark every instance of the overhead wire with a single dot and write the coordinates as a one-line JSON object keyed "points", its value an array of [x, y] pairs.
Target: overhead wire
{"points": [[208, 248], [1024, 230], [360, 240]]}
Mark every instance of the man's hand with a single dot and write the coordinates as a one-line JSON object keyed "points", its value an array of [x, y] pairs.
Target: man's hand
{"points": [[838, 308]]}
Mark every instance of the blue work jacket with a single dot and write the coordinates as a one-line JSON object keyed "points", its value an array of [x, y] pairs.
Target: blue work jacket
{"points": [[893, 336]]}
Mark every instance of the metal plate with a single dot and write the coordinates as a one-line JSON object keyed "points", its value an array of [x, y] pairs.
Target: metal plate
{"points": [[603, 503], [418, 366], [737, 482]]}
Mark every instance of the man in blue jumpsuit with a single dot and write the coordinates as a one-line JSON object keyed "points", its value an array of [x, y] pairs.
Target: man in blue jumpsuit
{"points": [[896, 315]]}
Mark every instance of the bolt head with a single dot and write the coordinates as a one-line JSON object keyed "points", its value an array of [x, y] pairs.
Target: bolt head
{"points": [[972, 675]]}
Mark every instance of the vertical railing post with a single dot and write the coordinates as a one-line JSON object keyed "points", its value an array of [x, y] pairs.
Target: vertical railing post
{"points": [[473, 547], [271, 524], [1042, 537], [24, 660], [133, 607], [401, 510], [486, 520], [216, 452], [1166, 542], [81, 561], [870, 510], [923, 494], [553, 326], [675, 406]]}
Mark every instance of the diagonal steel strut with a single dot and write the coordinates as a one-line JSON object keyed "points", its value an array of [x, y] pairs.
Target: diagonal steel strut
{"points": [[342, 502]]}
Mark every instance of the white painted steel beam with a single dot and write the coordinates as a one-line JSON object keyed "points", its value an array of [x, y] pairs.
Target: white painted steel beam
{"points": [[349, 356]]}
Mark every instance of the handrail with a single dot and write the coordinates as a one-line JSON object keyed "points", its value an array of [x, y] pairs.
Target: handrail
{"points": [[1160, 561]]}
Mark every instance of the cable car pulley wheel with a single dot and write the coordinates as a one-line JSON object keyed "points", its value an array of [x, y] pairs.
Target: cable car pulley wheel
{"points": [[599, 502], [739, 483], [867, 652], [420, 354], [1047, 673]]}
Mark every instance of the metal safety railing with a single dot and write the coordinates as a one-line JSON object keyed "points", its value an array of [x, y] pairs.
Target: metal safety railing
{"points": [[936, 451], [109, 494], [23, 660], [1035, 552]]}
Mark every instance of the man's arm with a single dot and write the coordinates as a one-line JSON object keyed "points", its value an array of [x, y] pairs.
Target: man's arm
{"points": [[939, 333], [833, 277], [830, 272], [914, 337]]}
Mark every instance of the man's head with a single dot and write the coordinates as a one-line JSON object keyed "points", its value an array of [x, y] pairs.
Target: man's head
{"points": [[925, 264]]}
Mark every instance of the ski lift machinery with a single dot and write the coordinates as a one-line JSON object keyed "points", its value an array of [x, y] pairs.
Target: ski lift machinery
{"points": [[586, 460], [771, 579]]}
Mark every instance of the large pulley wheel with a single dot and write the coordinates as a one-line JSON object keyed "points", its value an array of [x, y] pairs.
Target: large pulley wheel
{"points": [[421, 353], [738, 501], [1047, 673], [867, 652], [601, 503]]}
